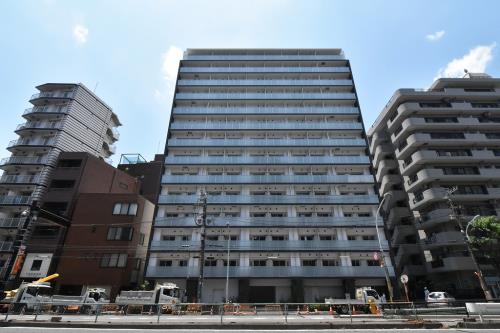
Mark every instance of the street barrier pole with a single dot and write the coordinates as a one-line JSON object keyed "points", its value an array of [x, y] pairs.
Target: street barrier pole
{"points": [[221, 309], [159, 313], [96, 312], [286, 313]]}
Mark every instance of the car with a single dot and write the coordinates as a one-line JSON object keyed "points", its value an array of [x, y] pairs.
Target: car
{"points": [[439, 298]]}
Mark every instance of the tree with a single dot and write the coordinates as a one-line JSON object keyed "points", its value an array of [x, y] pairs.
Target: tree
{"points": [[484, 236]]}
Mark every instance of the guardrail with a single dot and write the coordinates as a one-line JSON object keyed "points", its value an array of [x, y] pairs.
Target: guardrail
{"points": [[230, 313]]}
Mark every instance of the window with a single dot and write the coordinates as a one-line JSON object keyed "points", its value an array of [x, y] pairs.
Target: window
{"points": [[36, 265], [210, 263], [120, 233], [279, 263], [368, 237], [114, 260], [493, 135], [165, 263], [307, 237], [355, 262], [435, 105], [258, 238], [441, 120], [372, 262], [125, 209], [447, 135], [330, 262], [167, 238], [326, 237], [485, 105], [232, 263], [454, 152], [258, 263], [351, 237], [308, 262], [460, 170], [278, 238], [62, 184], [183, 263]]}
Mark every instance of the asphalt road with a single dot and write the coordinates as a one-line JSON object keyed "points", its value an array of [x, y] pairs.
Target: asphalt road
{"points": [[91, 330]]}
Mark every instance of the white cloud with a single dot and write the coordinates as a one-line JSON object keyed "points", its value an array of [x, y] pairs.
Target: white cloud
{"points": [[170, 64], [435, 36], [80, 33], [475, 61]]}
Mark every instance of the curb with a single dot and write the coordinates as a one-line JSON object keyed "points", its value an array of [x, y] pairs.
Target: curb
{"points": [[421, 325]]}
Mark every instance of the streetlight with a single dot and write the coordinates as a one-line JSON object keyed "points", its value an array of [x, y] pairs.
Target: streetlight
{"points": [[382, 255], [480, 276], [227, 262]]}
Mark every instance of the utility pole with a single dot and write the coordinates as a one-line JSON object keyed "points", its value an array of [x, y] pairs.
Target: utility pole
{"points": [[202, 222], [456, 214]]}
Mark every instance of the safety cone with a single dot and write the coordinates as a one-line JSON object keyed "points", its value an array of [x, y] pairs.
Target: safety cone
{"points": [[354, 310], [330, 312]]}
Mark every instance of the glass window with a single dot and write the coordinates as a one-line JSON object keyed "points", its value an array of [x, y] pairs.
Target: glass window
{"points": [[132, 209], [122, 260], [124, 209], [36, 265], [117, 208]]}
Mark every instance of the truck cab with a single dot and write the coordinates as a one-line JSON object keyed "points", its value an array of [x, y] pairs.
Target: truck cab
{"points": [[31, 294], [167, 293]]}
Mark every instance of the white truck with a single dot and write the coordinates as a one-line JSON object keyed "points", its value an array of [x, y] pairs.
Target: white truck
{"points": [[364, 296], [29, 296], [166, 293]]}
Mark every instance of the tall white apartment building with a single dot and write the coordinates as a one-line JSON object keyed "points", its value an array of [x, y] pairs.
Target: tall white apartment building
{"points": [[276, 139], [437, 151], [64, 117]]}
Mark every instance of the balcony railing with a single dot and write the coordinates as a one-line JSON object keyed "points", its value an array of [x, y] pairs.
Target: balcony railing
{"points": [[23, 160], [11, 222], [256, 69], [284, 245], [243, 125], [272, 199], [268, 179], [304, 222], [31, 142], [308, 160], [6, 246], [38, 125], [47, 109], [15, 199], [267, 110], [259, 96], [265, 57], [270, 272], [53, 94], [277, 82], [201, 142], [19, 179]]}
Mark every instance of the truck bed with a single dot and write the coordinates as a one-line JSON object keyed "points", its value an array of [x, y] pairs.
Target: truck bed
{"points": [[136, 297]]}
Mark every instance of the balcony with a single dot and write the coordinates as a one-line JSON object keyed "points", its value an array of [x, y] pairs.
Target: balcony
{"points": [[285, 245], [250, 110], [23, 160], [436, 217], [33, 125], [431, 156], [251, 125], [268, 179], [265, 96], [382, 152], [277, 82], [395, 216], [28, 142], [15, 200], [444, 238], [258, 222], [385, 167], [405, 250], [255, 69], [270, 199], [6, 246], [388, 181], [439, 193], [266, 160], [19, 179], [201, 142], [245, 57], [270, 272], [450, 264], [400, 232], [46, 109], [426, 176], [52, 94], [11, 222], [417, 140]]}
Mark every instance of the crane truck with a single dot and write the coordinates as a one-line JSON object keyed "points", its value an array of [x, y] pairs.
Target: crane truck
{"points": [[364, 296]]}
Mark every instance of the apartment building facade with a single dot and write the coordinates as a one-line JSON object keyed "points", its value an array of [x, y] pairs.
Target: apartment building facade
{"points": [[437, 152], [275, 139], [64, 117]]}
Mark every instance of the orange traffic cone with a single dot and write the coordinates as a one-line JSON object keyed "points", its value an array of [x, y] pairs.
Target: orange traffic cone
{"points": [[330, 312]]}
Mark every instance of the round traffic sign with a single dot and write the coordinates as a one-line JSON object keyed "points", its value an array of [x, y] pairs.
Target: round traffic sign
{"points": [[404, 278]]}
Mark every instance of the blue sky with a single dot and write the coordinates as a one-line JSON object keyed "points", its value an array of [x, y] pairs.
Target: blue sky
{"points": [[130, 48]]}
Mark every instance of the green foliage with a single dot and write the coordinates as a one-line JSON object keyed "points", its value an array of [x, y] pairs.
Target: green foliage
{"points": [[484, 235]]}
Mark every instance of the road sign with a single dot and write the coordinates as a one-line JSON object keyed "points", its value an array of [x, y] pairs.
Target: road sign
{"points": [[404, 278]]}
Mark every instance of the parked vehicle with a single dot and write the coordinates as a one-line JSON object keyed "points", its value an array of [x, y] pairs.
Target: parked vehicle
{"points": [[167, 293], [364, 295], [89, 300], [439, 298]]}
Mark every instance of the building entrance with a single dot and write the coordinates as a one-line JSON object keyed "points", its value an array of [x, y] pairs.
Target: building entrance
{"points": [[262, 294]]}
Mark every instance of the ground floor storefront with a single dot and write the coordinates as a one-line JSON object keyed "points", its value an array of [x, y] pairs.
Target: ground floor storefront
{"points": [[275, 290]]}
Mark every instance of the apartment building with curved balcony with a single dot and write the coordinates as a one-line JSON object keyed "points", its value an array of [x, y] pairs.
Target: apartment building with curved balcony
{"points": [[64, 117], [276, 140], [424, 143]]}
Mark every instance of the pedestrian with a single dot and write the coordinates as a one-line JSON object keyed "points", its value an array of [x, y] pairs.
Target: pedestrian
{"points": [[426, 293], [383, 299]]}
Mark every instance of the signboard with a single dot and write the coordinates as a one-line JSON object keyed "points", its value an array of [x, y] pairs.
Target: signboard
{"points": [[36, 265]]}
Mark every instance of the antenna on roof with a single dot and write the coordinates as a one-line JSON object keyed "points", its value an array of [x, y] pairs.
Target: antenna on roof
{"points": [[95, 88]]}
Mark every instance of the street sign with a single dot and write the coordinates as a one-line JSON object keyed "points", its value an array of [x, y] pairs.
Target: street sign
{"points": [[404, 278]]}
